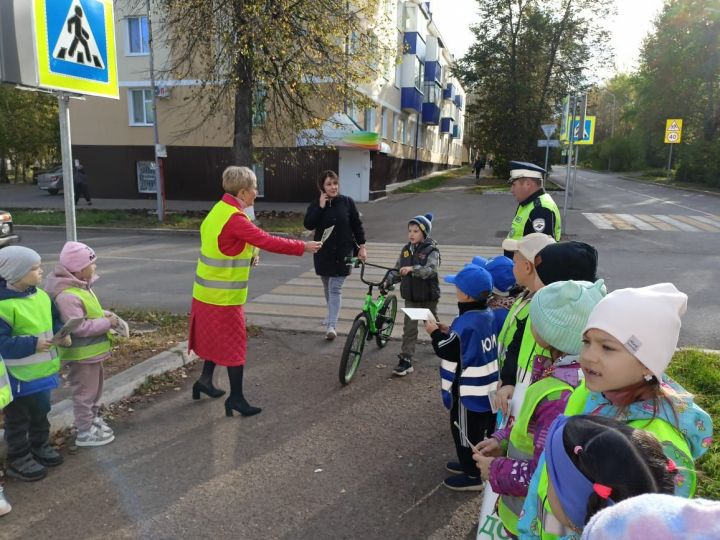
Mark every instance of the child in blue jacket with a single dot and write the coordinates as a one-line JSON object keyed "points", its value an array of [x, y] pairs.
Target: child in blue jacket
{"points": [[468, 371]]}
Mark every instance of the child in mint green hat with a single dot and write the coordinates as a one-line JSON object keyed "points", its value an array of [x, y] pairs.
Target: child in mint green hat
{"points": [[559, 313]]}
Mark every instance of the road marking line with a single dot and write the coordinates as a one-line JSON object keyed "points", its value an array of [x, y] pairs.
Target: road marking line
{"points": [[709, 221], [656, 222], [598, 220], [696, 223], [679, 224], [618, 222], [639, 223]]}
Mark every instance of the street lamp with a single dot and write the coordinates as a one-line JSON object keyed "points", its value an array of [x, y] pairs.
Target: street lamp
{"points": [[612, 121]]}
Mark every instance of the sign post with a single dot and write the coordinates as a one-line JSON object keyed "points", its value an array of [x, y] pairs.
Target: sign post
{"points": [[673, 135], [73, 44], [548, 130]]}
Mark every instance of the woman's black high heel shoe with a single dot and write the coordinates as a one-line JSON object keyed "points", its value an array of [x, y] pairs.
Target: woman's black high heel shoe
{"points": [[211, 391], [243, 407]]}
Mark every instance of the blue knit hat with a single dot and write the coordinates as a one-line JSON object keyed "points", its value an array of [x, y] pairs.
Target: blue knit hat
{"points": [[424, 222], [559, 312], [472, 280]]}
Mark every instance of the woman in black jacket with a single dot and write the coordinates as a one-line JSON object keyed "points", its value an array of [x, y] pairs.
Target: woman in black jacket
{"points": [[332, 209]]}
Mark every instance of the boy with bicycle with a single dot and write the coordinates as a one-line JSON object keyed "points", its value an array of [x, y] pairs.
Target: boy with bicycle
{"points": [[417, 271]]}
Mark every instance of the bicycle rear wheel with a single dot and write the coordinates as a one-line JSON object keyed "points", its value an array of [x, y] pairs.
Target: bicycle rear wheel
{"points": [[353, 350], [386, 320]]}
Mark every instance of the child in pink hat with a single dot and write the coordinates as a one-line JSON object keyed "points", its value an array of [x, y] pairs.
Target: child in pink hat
{"points": [[70, 287]]}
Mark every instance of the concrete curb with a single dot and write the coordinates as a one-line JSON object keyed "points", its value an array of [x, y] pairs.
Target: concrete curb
{"points": [[390, 188], [121, 385], [679, 188]]}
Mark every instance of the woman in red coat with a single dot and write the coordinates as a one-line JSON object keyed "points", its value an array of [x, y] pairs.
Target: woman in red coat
{"points": [[228, 251]]}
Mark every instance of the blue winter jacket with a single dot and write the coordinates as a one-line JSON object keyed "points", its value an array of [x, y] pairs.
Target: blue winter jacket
{"points": [[21, 346]]}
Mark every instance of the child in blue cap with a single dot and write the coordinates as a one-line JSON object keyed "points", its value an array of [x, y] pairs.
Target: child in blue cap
{"points": [[468, 371]]}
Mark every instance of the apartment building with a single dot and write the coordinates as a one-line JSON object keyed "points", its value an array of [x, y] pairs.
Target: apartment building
{"points": [[415, 126]]}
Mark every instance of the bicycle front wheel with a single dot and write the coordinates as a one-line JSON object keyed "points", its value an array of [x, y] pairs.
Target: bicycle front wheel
{"points": [[386, 320], [353, 350]]}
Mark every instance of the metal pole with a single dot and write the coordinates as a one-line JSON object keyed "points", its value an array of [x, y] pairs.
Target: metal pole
{"points": [[612, 128], [670, 162], [572, 190], [66, 151], [571, 136], [158, 183], [547, 154]]}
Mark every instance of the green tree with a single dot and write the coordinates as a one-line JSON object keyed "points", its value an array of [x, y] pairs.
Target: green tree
{"points": [[294, 61], [528, 54]]}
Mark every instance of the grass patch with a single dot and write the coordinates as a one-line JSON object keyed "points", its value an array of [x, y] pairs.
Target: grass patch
{"points": [[659, 176], [433, 182], [699, 373], [285, 222]]}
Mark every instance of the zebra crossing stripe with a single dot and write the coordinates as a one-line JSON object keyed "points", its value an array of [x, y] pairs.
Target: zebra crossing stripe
{"points": [[709, 221], [695, 223], [598, 220], [677, 224], [639, 223], [618, 222], [656, 222]]}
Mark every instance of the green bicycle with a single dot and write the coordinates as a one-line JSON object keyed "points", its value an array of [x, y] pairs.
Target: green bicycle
{"points": [[377, 320]]}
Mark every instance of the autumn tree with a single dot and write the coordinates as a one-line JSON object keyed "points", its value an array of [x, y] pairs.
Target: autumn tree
{"points": [[527, 55], [295, 62]]}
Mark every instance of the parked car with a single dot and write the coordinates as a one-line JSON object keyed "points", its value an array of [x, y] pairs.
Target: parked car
{"points": [[7, 234], [51, 180]]}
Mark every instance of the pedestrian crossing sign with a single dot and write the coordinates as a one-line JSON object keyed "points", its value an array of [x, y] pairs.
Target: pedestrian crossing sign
{"points": [[75, 46], [673, 130], [588, 134]]}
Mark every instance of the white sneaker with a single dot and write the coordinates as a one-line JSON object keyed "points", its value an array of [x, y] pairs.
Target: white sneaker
{"points": [[331, 334], [93, 437], [99, 423], [4, 504]]}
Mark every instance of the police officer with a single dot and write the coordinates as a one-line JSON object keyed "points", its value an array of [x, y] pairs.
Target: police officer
{"points": [[536, 211]]}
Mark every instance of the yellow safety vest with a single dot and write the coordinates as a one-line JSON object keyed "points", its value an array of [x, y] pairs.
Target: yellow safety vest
{"points": [[221, 280], [522, 444], [5, 391], [517, 230], [547, 524], [31, 316], [83, 348]]}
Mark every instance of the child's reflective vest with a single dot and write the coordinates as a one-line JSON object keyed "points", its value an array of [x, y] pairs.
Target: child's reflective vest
{"points": [[83, 348]]}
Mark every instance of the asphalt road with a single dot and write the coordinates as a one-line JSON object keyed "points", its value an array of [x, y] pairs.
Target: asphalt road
{"points": [[156, 271]]}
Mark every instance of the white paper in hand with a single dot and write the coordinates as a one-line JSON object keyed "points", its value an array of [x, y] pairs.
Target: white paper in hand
{"points": [[419, 314], [123, 328], [326, 233], [68, 328]]}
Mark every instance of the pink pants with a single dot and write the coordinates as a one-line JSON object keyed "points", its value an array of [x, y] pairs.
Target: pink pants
{"points": [[86, 381]]}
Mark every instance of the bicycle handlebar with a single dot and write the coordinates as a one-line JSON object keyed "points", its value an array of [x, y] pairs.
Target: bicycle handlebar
{"points": [[356, 262]]}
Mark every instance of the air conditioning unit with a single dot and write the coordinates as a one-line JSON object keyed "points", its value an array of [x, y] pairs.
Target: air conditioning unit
{"points": [[163, 92]]}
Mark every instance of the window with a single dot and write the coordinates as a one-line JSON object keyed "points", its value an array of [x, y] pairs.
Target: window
{"points": [[419, 73], [397, 127], [140, 105], [259, 113], [433, 94], [370, 119], [405, 135], [384, 120], [137, 32], [421, 137]]}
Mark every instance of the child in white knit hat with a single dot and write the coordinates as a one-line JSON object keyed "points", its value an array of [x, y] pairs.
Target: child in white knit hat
{"points": [[628, 343], [559, 313]]}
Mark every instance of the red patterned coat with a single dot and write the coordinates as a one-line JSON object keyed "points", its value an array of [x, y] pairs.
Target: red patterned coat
{"points": [[217, 333]]}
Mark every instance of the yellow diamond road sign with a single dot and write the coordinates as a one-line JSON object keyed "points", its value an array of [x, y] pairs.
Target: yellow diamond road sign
{"points": [[673, 130]]}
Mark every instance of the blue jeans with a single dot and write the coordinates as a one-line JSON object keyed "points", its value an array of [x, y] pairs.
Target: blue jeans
{"points": [[333, 297]]}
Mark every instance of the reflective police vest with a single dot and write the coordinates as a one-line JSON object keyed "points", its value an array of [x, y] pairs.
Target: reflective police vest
{"points": [[83, 348], [517, 230], [220, 279], [519, 310], [522, 445], [547, 524], [31, 316], [5, 392]]}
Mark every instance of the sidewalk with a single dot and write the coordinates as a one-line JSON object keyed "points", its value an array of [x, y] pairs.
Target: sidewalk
{"points": [[29, 196]]}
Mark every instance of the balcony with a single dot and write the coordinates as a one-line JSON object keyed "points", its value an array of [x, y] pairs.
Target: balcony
{"points": [[430, 114], [411, 100], [459, 101], [449, 92], [433, 72], [414, 44], [446, 125]]}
